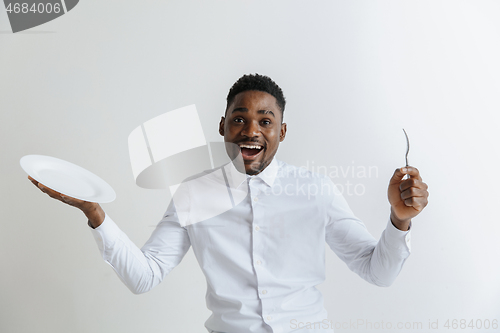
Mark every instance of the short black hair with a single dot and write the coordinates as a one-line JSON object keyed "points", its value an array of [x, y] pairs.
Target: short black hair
{"points": [[260, 83]]}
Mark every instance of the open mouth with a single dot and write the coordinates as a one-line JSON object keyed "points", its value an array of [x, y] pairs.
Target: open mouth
{"points": [[250, 152]]}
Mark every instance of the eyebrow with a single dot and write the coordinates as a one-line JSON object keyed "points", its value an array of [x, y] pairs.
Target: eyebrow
{"points": [[260, 111]]}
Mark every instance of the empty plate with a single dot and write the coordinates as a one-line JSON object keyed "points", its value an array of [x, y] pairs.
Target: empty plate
{"points": [[67, 178]]}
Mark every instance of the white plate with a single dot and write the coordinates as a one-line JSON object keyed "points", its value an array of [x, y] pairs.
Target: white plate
{"points": [[67, 178]]}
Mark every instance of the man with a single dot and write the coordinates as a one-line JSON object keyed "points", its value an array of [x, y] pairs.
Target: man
{"points": [[263, 255]]}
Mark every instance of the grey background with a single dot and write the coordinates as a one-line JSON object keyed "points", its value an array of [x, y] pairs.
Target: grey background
{"points": [[354, 74]]}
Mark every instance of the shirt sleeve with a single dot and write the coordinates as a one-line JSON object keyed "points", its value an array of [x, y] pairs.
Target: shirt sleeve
{"points": [[142, 269], [378, 262]]}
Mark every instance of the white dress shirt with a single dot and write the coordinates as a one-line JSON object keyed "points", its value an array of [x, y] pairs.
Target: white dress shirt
{"points": [[261, 247]]}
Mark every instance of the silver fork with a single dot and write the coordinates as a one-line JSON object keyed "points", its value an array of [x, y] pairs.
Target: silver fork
{"points": [[407, 151]]}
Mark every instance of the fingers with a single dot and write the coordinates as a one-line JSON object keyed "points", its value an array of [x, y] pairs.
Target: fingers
{"points": [[399, 173], [85, 206], [414, 193], [33, 181], [50, 192], [417, 203], [412, 182], [36, 183]]}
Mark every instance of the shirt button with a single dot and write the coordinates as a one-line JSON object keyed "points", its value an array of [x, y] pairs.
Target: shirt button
{"points": [[269, 317], [255, 199], [258, 262], [257, 228], [264, 292]]}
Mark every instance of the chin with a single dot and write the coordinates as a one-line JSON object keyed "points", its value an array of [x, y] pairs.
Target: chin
{"points": [[251, 172], [254, 168]]}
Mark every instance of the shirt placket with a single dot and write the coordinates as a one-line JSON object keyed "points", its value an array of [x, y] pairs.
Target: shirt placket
{"points": [[259, 234]]}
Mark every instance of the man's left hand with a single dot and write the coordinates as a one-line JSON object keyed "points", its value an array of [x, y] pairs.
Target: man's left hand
{"points": [[407, 197]]}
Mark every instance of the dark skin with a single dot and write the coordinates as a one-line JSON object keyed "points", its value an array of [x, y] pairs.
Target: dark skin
{"points": [[95, 214], [254, 119], [407, 197]]}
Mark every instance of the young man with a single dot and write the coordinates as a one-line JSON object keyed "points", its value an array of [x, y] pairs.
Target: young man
{"points": [[262, 255]]}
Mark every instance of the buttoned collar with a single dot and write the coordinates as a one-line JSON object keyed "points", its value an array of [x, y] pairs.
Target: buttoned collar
{"points": [[268, 175], [236, 178]]}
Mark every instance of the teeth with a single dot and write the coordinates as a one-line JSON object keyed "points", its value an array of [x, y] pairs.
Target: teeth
{"points": [[250, 146]]}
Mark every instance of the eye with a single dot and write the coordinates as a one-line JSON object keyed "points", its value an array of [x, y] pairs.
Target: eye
{"points": [[266, 122], [238, 120]]}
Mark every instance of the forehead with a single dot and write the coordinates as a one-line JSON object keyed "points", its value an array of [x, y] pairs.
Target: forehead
{"points": [[254, 100]]}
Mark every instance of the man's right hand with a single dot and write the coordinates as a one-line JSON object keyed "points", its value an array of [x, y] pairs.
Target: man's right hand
{"points": [[92, 210]]}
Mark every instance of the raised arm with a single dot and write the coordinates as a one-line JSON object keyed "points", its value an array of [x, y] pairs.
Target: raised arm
{"points": [[378, 262], [139, 269]]}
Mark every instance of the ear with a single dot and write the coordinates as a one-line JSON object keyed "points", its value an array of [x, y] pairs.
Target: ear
{"points": [[283, 132], [221, 126]]}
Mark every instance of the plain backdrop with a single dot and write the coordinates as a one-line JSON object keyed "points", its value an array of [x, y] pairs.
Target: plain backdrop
{"points": [[354, 74]]}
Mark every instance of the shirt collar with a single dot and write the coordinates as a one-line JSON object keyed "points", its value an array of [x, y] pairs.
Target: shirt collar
{"points": [[268, 175], [236, 178]]}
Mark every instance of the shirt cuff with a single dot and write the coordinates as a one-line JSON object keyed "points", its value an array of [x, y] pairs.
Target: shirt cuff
{"points": [[398, 238], [106, 234]]}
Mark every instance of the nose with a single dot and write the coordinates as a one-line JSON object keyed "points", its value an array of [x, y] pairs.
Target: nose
{"points": [[251, 129]]}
